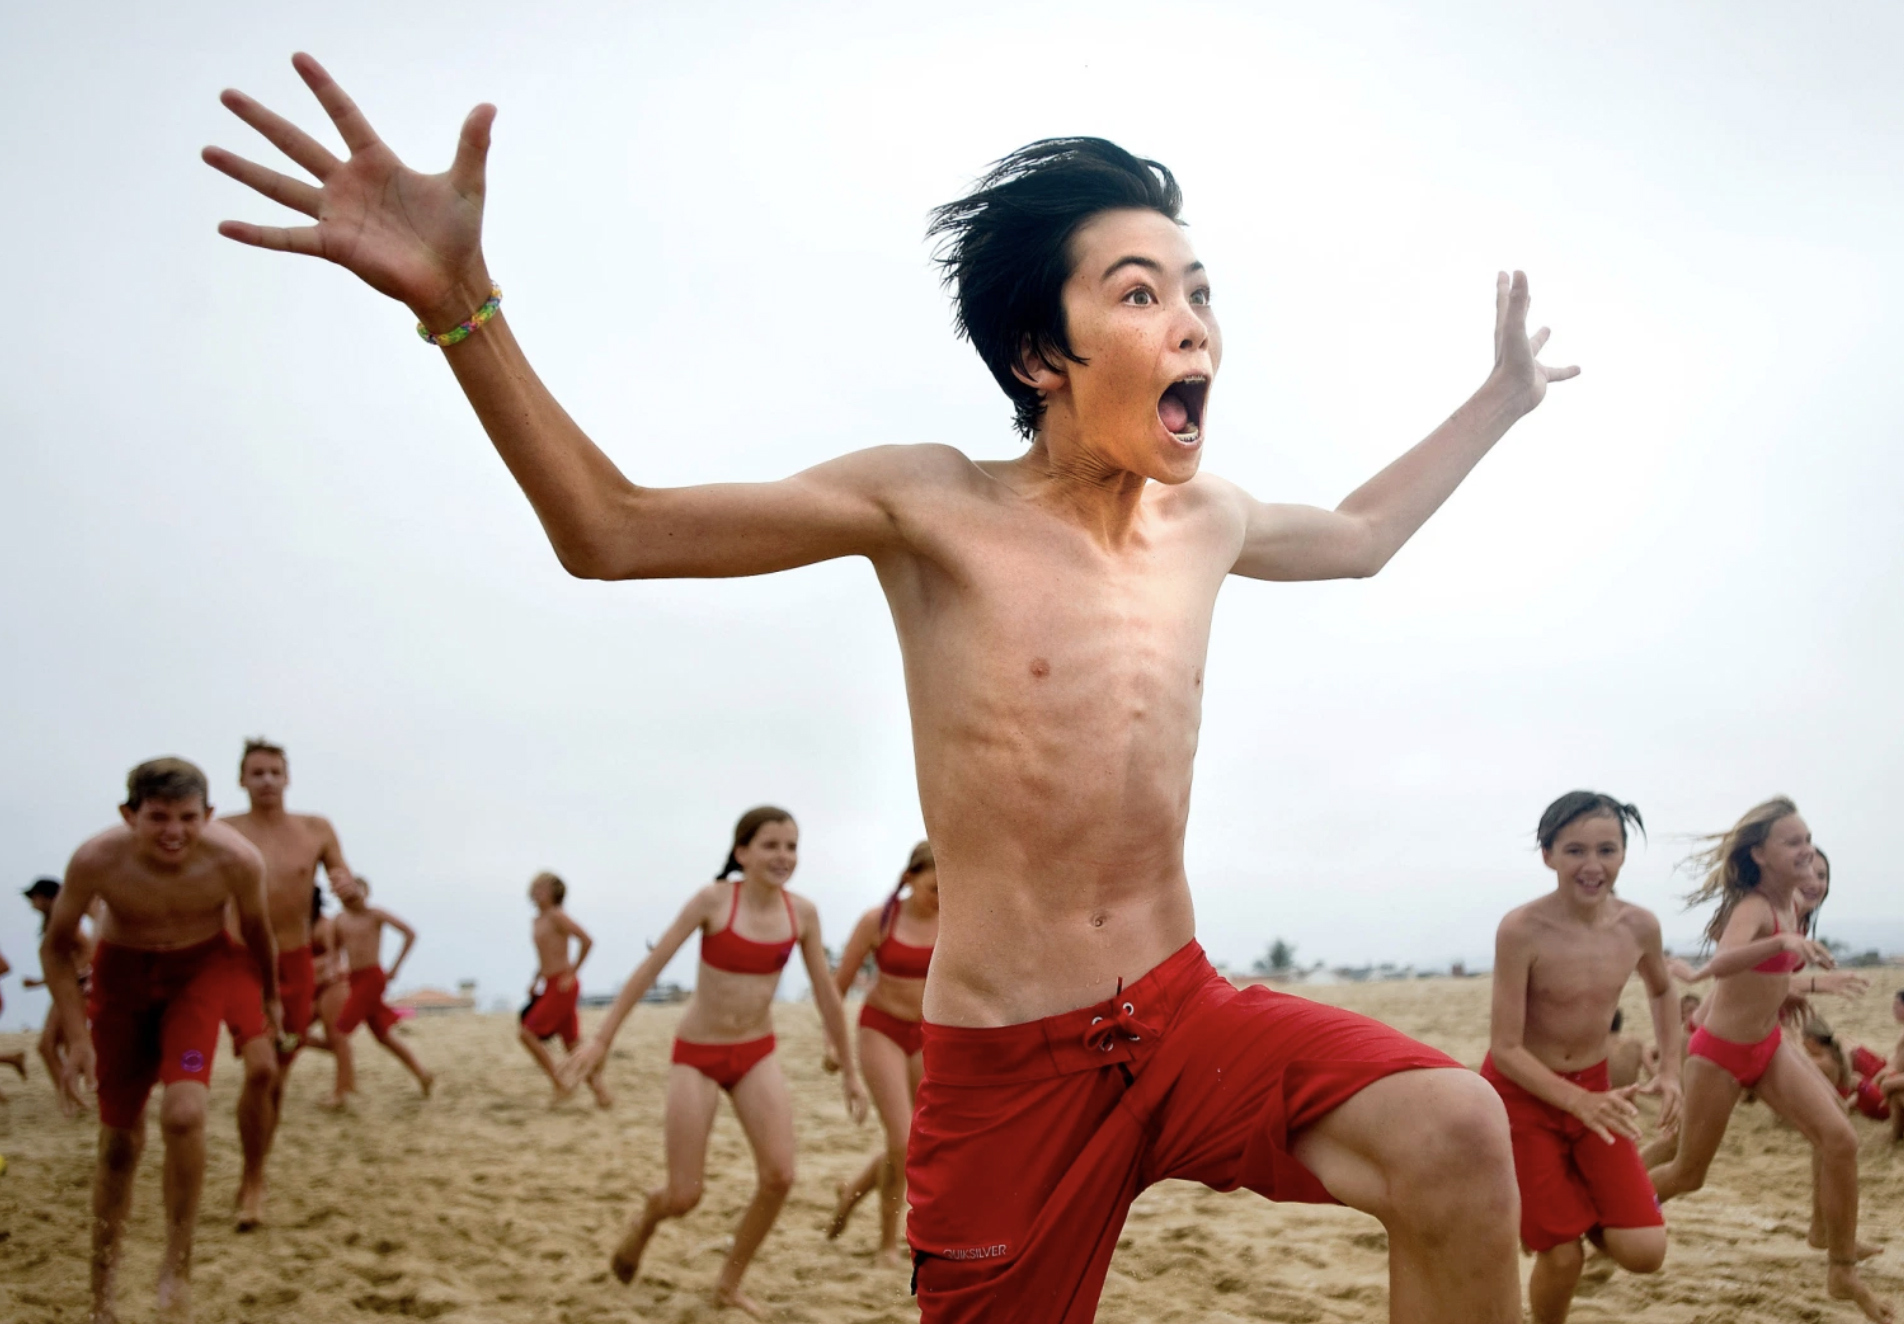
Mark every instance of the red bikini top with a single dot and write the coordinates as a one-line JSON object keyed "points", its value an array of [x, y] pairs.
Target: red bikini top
{"points": [[901, 960], [1782, 963], [727, 950]]}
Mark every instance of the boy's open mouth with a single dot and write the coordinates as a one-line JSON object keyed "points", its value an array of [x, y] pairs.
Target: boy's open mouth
{"points": [[1181, 408]]}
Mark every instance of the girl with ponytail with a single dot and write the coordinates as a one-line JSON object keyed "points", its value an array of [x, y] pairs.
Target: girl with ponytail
{"points": [[1755, 872], [899, 936], [749, 926]]}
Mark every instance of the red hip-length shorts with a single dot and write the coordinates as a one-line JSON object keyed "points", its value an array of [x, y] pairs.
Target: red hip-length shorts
{"points": [[365, 1003], [551, 1011], [1029, 1142], [155, 1018], [1571, 1180]]}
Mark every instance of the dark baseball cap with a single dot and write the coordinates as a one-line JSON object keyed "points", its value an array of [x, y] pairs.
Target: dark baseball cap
{"points": [[46, 887]]}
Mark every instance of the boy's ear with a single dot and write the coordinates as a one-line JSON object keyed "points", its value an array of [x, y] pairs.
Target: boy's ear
{"points": [[1035, 370]]}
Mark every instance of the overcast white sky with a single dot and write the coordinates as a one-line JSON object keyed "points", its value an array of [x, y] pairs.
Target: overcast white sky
{"points": [[241, 498]]}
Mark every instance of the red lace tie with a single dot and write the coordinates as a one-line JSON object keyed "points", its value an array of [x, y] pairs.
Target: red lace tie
{"points": [[1120, 1019]]}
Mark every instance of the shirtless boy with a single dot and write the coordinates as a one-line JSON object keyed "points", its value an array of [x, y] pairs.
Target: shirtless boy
{"points": [[293, 846], [1560, 965], [360, 934], [163, 975], [558, 984], [1053, 614]]}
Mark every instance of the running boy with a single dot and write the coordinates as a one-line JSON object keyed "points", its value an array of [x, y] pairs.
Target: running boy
{"points": [[1053, 613], [558, 984], [163, 975], [360, 934], [1560, 964], [293, 845]]}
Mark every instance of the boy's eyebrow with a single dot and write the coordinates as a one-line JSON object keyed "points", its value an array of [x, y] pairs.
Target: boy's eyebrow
{"points": [[1149, 264]]}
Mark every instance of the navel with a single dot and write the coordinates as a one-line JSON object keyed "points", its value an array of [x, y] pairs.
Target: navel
{"points": [[1040, 668]]}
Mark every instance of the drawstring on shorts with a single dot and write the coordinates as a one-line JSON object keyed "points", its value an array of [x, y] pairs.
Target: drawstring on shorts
{"points": [[1121, 1018]]}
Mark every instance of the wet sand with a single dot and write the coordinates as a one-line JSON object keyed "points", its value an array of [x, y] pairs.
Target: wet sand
{"points": [[483, 1204]]}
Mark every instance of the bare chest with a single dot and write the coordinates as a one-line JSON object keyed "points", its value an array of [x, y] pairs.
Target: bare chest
{"points": [[1579, 969]]}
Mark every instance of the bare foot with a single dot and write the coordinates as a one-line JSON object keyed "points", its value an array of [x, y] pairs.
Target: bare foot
{"points": [[844, 1203], [1817, 1241], [1844, 1284], [334, 1104], [603, 1099], [17, 1061], [887, 1257], [428, 1081], [626, 1261], [732, 1298], [175, 1298], [251, 1203]]}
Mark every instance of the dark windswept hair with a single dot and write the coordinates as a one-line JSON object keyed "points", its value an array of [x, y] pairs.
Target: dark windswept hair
{"points": [[1004, 249], [170, 780], [1576, 805]]}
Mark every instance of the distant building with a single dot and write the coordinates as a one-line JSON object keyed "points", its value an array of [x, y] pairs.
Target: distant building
{"points": [[435, 1002]]}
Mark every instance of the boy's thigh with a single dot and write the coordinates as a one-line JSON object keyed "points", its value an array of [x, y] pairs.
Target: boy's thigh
{"points": [[1247, 1073]]}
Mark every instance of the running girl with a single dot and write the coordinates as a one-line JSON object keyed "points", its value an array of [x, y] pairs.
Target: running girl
{"points": [[1755, 872], [726, 1040], [899, 935]]}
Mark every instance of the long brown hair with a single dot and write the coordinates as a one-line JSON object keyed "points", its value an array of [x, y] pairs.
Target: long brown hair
{"points": [[1730, 872], [917, 863], [750, 823]]}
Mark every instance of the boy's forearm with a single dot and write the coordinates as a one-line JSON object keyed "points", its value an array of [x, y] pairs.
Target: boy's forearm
{"points": [[576, 490], [1399, 500], [1665, 1009], [263, 946]]}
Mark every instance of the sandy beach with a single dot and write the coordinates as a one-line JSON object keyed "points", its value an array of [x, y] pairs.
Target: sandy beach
{"points": [[483, 1204]]}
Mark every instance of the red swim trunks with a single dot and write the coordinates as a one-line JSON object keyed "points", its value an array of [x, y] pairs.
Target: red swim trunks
{"points": [[244, 1002], [155, 1018], [1030, 1141], [1744, 1062], [365, 1003], [297, 989], [551, 1012], [724, 1064], [1571, 1180], [909, 1035]]}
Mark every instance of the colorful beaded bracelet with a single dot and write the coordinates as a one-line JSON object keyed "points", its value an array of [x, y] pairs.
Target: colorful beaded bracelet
{"points": [[464, 330]]}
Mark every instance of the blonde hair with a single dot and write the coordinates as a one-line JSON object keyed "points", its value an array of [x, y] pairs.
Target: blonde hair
{"points": [[557, 888], [1730, 872]]}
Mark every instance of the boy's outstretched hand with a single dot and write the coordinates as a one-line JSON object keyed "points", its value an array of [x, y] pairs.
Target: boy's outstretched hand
{"points": [[414, 237], [1517, 364]]}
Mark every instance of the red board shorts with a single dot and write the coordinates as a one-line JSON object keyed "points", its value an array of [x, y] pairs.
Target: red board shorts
{"points": [[155, 1018], [552, 1011], [1744, 1062], [1571, 1180], [1870, 1094], [297, 989], [244, 1003], [724, 1064], [365, 1003], [1030, 1141], [909, 1035]]}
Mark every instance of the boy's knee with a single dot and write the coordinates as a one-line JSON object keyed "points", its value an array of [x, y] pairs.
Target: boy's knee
{"points": [[181, 1114], [1637, 1249], [1462, 1167], [1566, 1258], [120, 1147]]}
